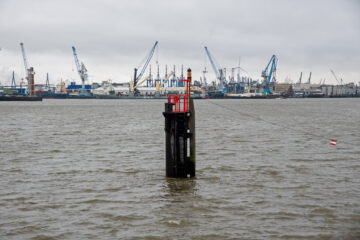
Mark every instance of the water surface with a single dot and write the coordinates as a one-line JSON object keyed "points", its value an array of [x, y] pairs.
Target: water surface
{"points": [[94, 169]]}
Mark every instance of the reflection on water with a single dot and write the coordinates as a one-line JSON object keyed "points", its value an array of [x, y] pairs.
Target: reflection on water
{"points": [[180, 200], [182, 187], [93, 169]]}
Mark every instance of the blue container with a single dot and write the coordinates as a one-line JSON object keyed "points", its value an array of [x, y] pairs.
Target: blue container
{"points": [[21, 90]]}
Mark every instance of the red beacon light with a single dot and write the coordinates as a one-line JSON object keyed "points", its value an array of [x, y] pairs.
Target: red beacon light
{"points": [[181, 101]]}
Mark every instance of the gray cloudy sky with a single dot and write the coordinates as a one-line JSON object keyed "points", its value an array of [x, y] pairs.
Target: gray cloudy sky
{"points": [[112, 37]]}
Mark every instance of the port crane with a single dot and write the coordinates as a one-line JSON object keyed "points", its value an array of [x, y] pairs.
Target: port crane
{"points": [[336, 78], [81, 69], [269, 75], [138, 77], [218, 71], [309, 80], [26, 65], [300, 78]]}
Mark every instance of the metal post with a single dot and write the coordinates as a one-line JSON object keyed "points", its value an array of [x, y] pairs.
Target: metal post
{"points": [[180, 134]]}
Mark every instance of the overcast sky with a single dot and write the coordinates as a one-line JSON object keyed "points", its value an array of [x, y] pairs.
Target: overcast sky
{"points": [[112, 37]]}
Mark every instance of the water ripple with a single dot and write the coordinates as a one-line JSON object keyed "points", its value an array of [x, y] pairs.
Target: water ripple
{"points": [[99, 173]]}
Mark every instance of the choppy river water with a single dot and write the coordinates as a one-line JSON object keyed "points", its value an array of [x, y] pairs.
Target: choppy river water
{"points": [[95, 169]]}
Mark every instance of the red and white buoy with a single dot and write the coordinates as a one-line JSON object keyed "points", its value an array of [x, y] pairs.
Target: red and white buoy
{"points": [[333, 142]]}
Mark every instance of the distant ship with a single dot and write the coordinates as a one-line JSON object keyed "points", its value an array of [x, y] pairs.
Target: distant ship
{"points": [[20, 98]]}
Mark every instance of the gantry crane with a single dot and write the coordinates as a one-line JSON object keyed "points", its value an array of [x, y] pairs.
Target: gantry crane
{"points": [[218, 71], [269, 75], [81, 69], [138, 77]]}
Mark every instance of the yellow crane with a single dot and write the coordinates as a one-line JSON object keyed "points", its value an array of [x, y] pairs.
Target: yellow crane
{"points": [[162, 85], [132, 88]]}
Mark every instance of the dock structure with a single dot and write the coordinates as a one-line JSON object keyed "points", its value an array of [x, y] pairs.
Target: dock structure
{"points": [[180, 134]]}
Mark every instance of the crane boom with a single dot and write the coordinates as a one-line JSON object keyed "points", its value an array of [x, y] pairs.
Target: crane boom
{"points": [[136, 78], [81, 69], [333, 73], [77, 63], [132, 87], [216, 70], [26, 65], [167, 79]]}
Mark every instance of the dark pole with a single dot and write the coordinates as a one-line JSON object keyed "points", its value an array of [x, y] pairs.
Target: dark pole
{"points": [[180, 134]]}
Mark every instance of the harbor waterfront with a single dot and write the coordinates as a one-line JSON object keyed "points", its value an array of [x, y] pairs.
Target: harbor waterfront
{"points": [[94, 169], [142, 86]]}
